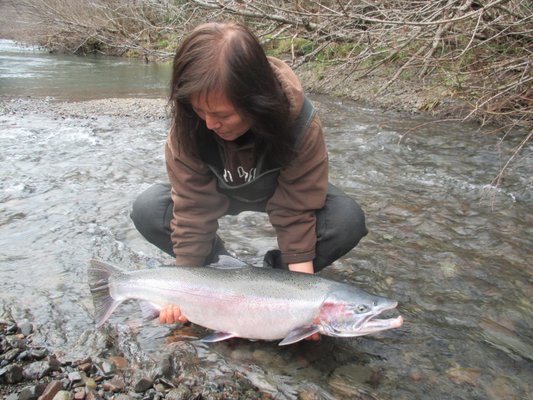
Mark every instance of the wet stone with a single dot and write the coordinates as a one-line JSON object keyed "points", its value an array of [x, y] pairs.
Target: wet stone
{"points": [[74, 376], [40, 369], [24, 356], [93, 396], [10, 355], [241, 354], [116, 384], [12, 374], [180, 393], [85, 367], [14, 341], [11, 329], [107, 368], [122, 396], [164, 368], [38, 354], [263, 356], [51, 390], [306, 394], [159, 387], [87, 360], [142, 384], [25, 327], [89, 383], [63, 395], [32, 392], [119, 362]]}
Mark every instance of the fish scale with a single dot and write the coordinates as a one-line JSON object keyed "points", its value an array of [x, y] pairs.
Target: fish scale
{"points": [[238, 300]]}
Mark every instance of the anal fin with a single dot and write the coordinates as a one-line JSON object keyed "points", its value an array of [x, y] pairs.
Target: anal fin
{"points": [[218, 337], [149, 310]]}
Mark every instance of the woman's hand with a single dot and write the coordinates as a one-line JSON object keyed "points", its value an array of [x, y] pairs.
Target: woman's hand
{"points": [[306, 267], [171, 314]]}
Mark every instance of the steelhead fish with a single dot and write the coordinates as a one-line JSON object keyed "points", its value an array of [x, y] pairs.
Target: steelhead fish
{"points": [[238, 300]]}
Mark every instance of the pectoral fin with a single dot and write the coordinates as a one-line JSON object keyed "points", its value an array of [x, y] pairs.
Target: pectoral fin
{"points": [[299, 334], [218, 337]]}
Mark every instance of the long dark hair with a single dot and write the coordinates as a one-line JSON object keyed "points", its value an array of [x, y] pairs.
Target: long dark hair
{"points": [[228, 58]]}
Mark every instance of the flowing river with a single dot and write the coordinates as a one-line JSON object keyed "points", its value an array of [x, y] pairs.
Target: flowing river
{"points": [[454, 250]]}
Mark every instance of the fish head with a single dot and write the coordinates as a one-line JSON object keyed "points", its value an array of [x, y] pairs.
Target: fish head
{"points": [[352, 312]]}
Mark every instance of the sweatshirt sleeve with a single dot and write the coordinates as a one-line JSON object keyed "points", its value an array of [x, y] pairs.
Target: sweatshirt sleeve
{"points": [[301, 191], [197, 205]]}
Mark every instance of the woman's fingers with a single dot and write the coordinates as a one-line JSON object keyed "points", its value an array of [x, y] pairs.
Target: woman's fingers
{"points": [[171, 314]]}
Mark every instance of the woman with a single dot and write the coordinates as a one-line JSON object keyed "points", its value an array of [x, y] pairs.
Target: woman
{"points": [[244, 137]]}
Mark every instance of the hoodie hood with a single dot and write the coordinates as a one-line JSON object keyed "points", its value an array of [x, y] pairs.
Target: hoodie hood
{"points": [[290, 84]]}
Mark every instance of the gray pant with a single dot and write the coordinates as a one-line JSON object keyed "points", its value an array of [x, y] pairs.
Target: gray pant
{"points": [[340, 225]]}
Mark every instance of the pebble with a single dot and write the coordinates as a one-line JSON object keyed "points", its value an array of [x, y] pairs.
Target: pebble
{"points": [[13, 374], [180, 393], [142, 384], [32, 392], [33, 373], [26, 328], [51, 390], [63, 395]]}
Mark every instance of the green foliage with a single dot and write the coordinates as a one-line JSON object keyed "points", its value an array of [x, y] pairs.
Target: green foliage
{"points": [[282, 46]]}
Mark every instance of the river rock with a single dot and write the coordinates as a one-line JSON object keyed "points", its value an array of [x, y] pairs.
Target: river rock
{"points": [[40, 369], [63, 395], [12, 374], [80, 395], [107, 368], [25, 327], [119, 362], [32, 392], [74, 376], [90, 383], [37, 354], [10, 355], [182, 392], [12, 396], [123, 396], [164, 369], [51, 390], [14, 341], [92, 395], [116, 384], [142, 384]]}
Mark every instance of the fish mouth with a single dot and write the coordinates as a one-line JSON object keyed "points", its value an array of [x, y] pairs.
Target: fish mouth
{"points": [[380, 324], [375, 324], [371, 323]]}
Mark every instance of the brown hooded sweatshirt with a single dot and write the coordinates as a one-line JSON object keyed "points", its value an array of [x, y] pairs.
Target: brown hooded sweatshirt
{"points": [[300, 192]]}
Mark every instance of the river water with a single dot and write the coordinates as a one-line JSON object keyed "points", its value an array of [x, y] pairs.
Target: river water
{"points": [[455, 251]]}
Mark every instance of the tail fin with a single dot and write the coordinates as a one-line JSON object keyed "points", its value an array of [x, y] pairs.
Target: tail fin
{"points": [[98, 277]]}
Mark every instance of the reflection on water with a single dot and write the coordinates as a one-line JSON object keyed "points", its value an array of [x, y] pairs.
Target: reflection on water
{"points": [[33, 72], [455, 252]]}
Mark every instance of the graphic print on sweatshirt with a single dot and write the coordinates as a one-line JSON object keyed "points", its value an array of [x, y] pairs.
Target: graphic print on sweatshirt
{"points": [[239, 176], [239, 160]]}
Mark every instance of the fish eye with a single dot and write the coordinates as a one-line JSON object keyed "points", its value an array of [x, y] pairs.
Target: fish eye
{"points": [[361, 308]]}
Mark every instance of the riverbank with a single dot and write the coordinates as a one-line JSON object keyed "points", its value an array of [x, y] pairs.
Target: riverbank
{"points": [[29, 372], [400, 95]]}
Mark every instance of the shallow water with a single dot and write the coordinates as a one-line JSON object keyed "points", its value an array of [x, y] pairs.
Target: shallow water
{"points": [[452, 249], [26, 71]]}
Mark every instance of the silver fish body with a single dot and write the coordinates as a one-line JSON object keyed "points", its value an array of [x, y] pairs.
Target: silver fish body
{"points": [[247, 302]]}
